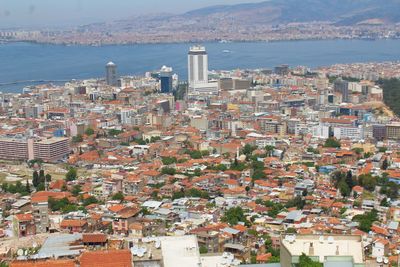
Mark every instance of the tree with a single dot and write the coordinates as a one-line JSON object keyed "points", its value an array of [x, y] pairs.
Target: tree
{"points": [[27, 186], [168, 160], [234, 215], [248, 149], [114, 132], [297, 202], [71, 174], [40, 187], [89, 131], [90, 200], [258, 175], [385, 164], [178, 195], [76, 190], [195, 154], [35, 179], [167, 170], [358, 150], [118, 196], [366, 220], [367, 181], [77, 139], [382, 149], [349, 179], [344, 188], [221, 167], [384, 202], [197, 172], [391, 93], [332, 142], [48, 178], [269, 150], [41, 176], [305, 261], [203, 249]]}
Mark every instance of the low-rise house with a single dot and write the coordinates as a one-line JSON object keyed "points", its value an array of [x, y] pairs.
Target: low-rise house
{"points": [[24, 225]]}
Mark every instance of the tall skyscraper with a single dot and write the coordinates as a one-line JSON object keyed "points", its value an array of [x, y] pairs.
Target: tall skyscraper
{"points": [[166, 79], [198, 73], [198, 65], [111, 74]]}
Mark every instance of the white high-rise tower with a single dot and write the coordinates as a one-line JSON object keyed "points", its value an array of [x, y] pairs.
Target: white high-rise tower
{"points": [[198, 72], [198, 65]]}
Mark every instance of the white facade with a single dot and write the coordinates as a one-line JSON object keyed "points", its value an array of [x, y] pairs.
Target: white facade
{"points": [[198, 65], [353, 133], [320, 131], [198, 72]]}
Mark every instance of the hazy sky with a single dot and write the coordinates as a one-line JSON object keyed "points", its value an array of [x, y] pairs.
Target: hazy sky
{"points": [[71, 12]]}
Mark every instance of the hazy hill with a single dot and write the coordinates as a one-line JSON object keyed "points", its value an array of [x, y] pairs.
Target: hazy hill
{"points": [[344, 12]]}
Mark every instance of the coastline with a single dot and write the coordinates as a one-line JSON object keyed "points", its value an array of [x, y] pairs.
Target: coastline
{"points": [[205, 41]]}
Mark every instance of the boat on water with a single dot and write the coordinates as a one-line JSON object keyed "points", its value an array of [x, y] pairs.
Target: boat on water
{"points": [[226, 51]]}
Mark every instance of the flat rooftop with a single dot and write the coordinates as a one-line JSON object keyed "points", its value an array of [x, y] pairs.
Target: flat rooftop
{"points": [[180, 251], [324, 245]]}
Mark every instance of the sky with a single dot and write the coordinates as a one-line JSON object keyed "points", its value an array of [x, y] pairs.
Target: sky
{"points": [[40, 13]]}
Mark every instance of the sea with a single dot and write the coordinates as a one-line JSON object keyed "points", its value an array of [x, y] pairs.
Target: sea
{"points": [[23, 64]]}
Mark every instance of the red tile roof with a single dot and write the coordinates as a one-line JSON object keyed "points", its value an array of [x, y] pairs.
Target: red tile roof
{"points": [[73, 223], [24, 217], [49, 263], [111, 258], [94, 238]]}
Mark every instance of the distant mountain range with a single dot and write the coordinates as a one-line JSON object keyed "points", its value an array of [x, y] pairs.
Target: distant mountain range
{"points": [[272, 20], [342, 12]]}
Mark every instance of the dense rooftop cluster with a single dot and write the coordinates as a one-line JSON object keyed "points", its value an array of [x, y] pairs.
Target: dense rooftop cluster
{"points": [[279, 165]]}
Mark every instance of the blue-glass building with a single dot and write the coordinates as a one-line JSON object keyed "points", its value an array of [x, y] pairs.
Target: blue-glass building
{"points": [[166, 79]]}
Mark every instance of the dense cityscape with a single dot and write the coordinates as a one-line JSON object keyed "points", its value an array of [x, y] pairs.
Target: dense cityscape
{"points": [[177, 31], [284, 166], [199, 133]]}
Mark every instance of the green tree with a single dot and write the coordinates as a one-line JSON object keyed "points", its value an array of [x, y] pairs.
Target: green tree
{"points": [[41, 176], [76, 190], [71, 175], [169, 171], [118, 196], [195, 154], [168, 160], [77, 139], [248, 149], [178, 195], [90, 200], [366, 220], [48, 178], [269, 150], [35, 179], [40, 187], [89, 131], [203, 249], [385, 164], [297, 202], [114, 132], [332, 142], [258, 175], [384, 202], [349, 179], [367, 181], [234, 215], [305, 261], [27, 186]]}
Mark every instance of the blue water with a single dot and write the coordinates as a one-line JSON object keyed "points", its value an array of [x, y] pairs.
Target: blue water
{"points": [[27, 61]]}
